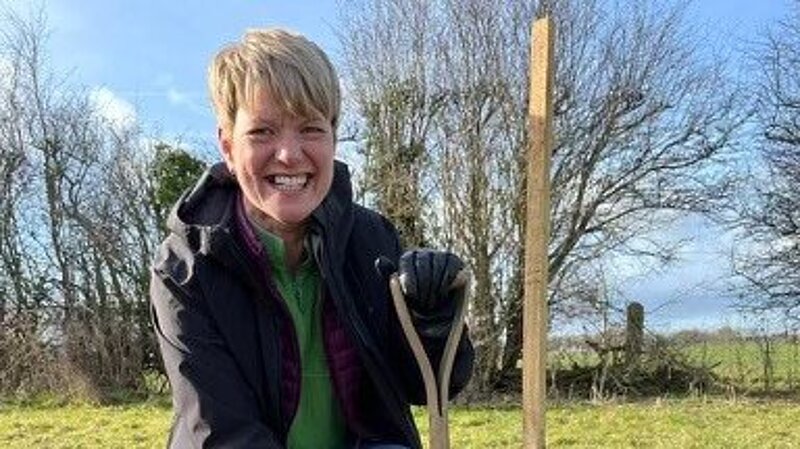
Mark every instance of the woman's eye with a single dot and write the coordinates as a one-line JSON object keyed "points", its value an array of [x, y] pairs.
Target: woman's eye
{"points": [[313, 130]]}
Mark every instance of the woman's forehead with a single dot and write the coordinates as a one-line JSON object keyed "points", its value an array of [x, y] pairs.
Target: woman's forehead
{"points": [[268, 103], [266, 110]]}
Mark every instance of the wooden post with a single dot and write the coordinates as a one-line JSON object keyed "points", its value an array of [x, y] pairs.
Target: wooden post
{"points": [[634, 333], [534, 343]]}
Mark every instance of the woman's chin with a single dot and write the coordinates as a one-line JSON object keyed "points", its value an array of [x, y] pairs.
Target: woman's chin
{"points": [[290, 216]]}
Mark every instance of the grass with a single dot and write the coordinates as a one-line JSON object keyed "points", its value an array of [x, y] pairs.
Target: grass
{"points": [[742, 363], [698, 422], [684, 423], [738, 363], [84, 426]]}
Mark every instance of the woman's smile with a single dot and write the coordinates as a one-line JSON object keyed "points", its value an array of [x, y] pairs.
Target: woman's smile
{"points": [[289, 183]]}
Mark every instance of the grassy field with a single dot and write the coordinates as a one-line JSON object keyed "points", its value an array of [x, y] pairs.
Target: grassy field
{"points": [[742, 363], [683, 423], [697, 422]]}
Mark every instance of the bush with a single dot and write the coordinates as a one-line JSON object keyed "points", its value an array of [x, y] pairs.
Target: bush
{"points": [[95, 358], [30, 364]]}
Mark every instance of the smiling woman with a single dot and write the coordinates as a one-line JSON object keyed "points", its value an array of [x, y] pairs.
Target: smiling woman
{"points": [[274, 324], [276, 131], [284, 165]]}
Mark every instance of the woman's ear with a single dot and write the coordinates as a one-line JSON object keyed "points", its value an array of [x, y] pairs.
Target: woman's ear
{"points": [[225, 147]]}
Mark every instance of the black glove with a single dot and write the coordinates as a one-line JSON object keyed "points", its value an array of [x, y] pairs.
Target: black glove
{"points": [[425, 277]]}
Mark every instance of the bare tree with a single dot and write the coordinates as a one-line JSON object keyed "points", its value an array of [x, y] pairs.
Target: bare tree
{"points": [[12, 170], [457, 101], [24, 278], [769, 218], [643, 128], [82, 206], [395, 102]]}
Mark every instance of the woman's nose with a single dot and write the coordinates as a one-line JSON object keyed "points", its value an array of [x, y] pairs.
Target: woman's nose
{"points": [[288, 150]]}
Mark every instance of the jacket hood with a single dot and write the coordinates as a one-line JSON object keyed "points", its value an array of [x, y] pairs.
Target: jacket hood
{"points": [[204, 213]]}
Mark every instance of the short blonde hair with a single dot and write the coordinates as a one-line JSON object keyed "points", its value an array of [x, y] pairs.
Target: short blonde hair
{"points": [[295, 72]]}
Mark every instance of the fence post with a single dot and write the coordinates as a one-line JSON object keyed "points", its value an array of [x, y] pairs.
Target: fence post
{"points": [[634, 333]]}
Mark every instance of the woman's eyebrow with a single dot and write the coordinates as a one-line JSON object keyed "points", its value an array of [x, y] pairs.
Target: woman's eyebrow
{"points": [[264, 120]]}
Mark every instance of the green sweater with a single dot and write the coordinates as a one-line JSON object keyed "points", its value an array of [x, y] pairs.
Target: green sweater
{"points": [[318, 423]]}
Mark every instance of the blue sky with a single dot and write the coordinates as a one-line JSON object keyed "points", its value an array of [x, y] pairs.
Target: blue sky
{"points": [[152, 54], [148, 58]]}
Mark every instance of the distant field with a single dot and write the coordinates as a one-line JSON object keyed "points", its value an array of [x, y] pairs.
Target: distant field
{"points": [[685, 423], [742, 363], [737, 363]]}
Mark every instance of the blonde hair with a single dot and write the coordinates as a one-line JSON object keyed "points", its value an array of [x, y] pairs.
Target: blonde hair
{"points": [[294, 71]]}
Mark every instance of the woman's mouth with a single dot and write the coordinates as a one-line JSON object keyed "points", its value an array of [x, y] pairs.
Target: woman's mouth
{"points": [[288, 183]]}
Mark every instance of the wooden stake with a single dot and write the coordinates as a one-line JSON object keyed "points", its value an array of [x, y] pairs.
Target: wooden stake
{"points": [[534, 344]]}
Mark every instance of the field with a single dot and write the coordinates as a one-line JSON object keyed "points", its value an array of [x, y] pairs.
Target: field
{"points": [[675, 423], [743, 364], [734, 418]]}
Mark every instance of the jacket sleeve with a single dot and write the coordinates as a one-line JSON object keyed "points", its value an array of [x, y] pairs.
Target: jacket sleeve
{"points": [[434, 347], [214, 405]]}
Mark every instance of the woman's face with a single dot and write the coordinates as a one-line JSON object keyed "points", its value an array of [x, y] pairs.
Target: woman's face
{"points": [[284, 164]]}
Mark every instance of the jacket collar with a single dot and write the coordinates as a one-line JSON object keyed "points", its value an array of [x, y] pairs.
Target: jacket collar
{"points": [[334, 216], [212, 211]]}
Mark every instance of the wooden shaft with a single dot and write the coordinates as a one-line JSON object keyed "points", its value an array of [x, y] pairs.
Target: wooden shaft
{"points": [[436, 387], [534, 344], [431, 389]]}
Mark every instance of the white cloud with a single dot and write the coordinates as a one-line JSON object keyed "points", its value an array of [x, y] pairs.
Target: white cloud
{"points": [[119, 112], [177, 98]]}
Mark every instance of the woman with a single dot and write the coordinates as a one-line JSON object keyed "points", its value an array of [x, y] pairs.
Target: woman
{"points": [[272, 311]]}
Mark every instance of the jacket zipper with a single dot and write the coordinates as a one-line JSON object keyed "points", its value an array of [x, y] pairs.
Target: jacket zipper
{"points": [[363, 342]]}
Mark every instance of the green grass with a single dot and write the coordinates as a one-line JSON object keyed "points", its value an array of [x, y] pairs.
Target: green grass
{"points": [[684, 423], [84, 426]]}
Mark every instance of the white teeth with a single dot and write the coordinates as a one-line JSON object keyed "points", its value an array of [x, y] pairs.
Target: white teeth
{"points": [[286, 182]]}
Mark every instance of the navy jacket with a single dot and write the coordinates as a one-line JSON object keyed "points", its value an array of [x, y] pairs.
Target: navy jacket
{"points": [[223, 330]]}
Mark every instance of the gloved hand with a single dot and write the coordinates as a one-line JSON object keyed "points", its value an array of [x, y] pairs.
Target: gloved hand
{"points": [[426, 277]]}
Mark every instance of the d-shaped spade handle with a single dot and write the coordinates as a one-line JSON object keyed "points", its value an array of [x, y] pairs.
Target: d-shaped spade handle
{"points": [[436, 387]]}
